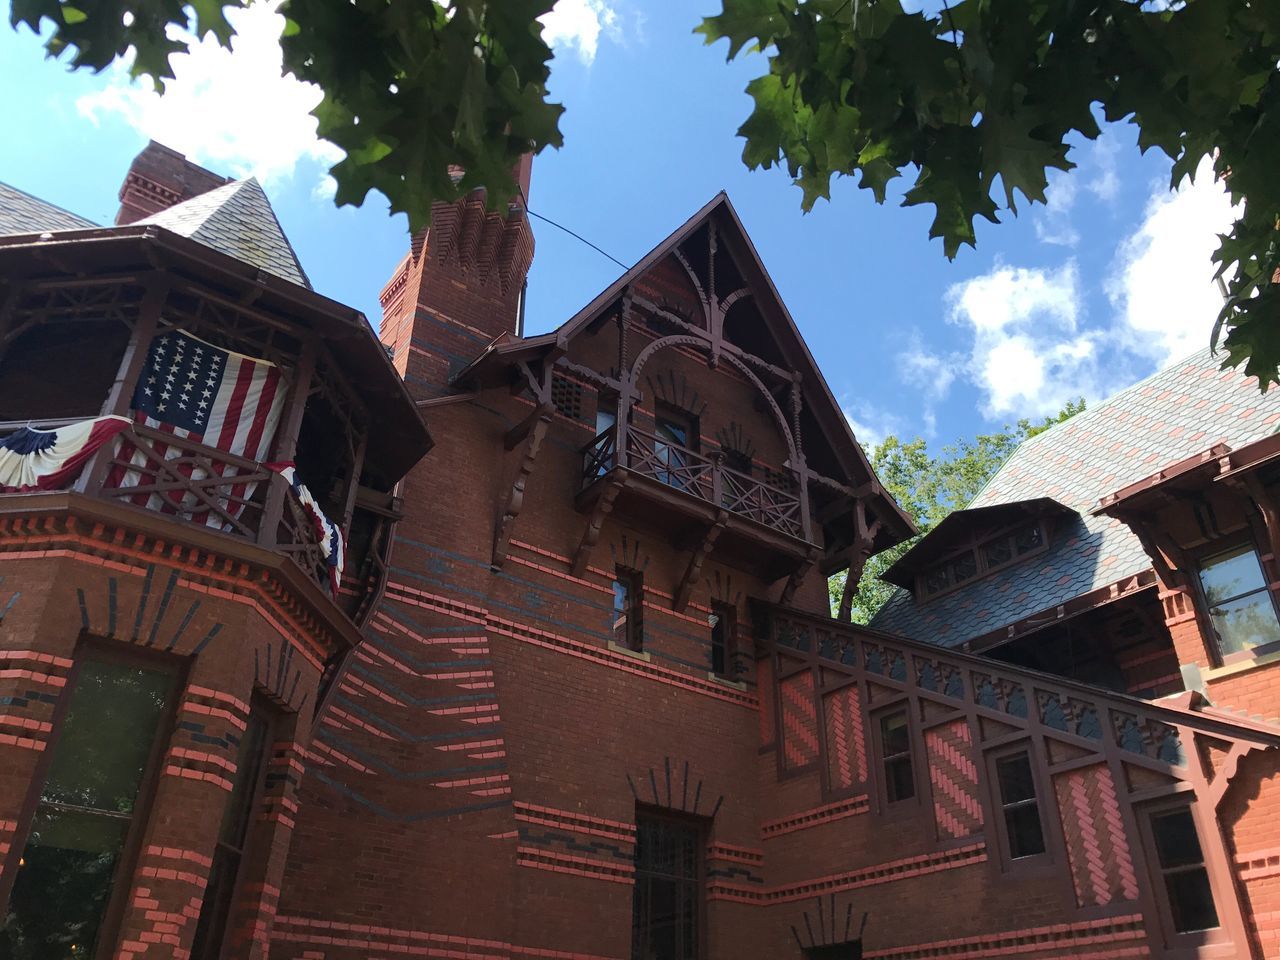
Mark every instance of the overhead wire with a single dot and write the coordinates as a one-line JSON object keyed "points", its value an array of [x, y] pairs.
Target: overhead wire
{"points": [[561, 226]]}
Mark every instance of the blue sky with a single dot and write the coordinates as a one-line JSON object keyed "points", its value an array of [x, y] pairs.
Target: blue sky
{"points": [[1104, 286]]}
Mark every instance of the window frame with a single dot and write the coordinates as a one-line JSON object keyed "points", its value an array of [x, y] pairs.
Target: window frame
{"points": [[998, 806], [729, 616], [1203, 607], [882, 758], [634, 635], [703, 826], [109, 651], [975, 547], [274, 719], [1145, 814]]}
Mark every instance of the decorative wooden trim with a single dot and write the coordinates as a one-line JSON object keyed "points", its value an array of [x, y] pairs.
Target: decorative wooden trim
{"points": [[694, 569], [595, 522], [537, 431]]}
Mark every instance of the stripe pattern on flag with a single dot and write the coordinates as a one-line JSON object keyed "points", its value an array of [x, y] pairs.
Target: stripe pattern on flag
{"points": [[195, 391]]}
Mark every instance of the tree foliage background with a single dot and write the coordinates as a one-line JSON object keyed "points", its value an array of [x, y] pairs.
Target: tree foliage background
{"points": [[930, 486], [960, 96]]}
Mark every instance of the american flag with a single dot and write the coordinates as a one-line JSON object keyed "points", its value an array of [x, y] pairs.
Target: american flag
{"points": [[196, 391]]}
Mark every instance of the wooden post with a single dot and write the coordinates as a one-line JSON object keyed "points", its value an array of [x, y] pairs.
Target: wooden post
{"points": [[353, 486], [120, 397], [286, 443]]}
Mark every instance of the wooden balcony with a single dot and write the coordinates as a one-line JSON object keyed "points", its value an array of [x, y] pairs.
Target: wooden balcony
{"points": [[79, 314], [648, 471]]}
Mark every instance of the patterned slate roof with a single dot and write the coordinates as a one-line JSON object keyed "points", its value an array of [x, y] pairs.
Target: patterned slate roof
{"points": [[237, 220], [22, 213], [1179, 411]]}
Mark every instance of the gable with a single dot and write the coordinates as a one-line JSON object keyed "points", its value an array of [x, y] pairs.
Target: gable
{"points": [[705, 289]]}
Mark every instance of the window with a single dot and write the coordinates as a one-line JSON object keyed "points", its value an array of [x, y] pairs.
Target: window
{"points": [[1020, 807], [677, 436], [737, 460], [666, 911], [724, 627], [895, 753], [233, 834], [1181, 863], [1240, 604], [89, 807], [628, 600], [983, 557]]}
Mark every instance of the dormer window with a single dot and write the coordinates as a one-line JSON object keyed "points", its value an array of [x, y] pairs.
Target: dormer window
{"points": [[982, 557]]}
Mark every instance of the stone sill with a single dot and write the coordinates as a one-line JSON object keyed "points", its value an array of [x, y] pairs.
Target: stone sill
{"points": [[1243, 666], [627, 651]]}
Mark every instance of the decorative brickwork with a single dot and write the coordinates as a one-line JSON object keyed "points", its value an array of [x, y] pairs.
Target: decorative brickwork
{"points": [[1101, 865], [954, 777]]}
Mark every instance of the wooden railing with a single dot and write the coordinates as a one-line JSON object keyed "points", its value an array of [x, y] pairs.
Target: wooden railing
{"points": [[706, 478], [958, 684], [198, 484]]}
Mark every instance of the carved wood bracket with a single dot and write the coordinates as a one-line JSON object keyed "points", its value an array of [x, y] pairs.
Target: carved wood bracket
{"points": [[684, 590]]}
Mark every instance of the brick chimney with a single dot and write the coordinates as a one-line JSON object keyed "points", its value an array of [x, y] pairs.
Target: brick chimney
{"points": [[158, 178], [460, 286]]}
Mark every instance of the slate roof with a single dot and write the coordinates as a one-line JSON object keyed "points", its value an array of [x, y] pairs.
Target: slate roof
{"points": [[1179, 411], [22, 213], [236, 219]]}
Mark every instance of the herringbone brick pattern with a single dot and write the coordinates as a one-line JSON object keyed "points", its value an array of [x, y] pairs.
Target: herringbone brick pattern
{"points": [[1101, 865], [846, 745], [954, 778]]}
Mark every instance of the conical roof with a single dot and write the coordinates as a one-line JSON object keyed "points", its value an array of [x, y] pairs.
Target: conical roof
{"points": [[236, 219]]}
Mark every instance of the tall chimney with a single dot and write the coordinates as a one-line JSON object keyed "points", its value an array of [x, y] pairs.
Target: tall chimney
{"points": [[158, 178], [460, 286]]}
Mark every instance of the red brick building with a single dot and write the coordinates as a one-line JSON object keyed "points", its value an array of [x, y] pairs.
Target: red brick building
{"points": [[579, 693]]}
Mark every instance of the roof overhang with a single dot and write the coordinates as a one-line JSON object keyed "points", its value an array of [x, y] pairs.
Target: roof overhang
{"points": [[398, 435], [1196, 472], [957, 528]]}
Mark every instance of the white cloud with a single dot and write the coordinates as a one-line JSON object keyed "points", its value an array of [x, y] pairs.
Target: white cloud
{"points": [[1105, 183], [871, 424], [1162, 285], [1053, 221], [1030, 354], [577, 24], [230, 110]]}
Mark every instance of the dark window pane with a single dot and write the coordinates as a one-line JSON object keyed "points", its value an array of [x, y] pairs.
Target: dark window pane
{"points": [[936, 580], [62, 886], [717, 643], [899, 782], [239, 808], [1190, 900], [106, 738], [1016, 782], [997, 552], [1245, 623], [1230, 574], [895, 736], [217, 904], [1026, 837], [1027, 539], [964, 567], [1177, 844], [666, 902]]}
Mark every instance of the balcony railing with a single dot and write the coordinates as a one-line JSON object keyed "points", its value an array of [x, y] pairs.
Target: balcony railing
{"points": [[706, 478], [201, 485]]}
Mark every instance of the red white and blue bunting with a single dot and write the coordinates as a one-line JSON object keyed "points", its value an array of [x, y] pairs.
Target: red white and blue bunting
{"points": [[332, 543], [32, 459]]}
